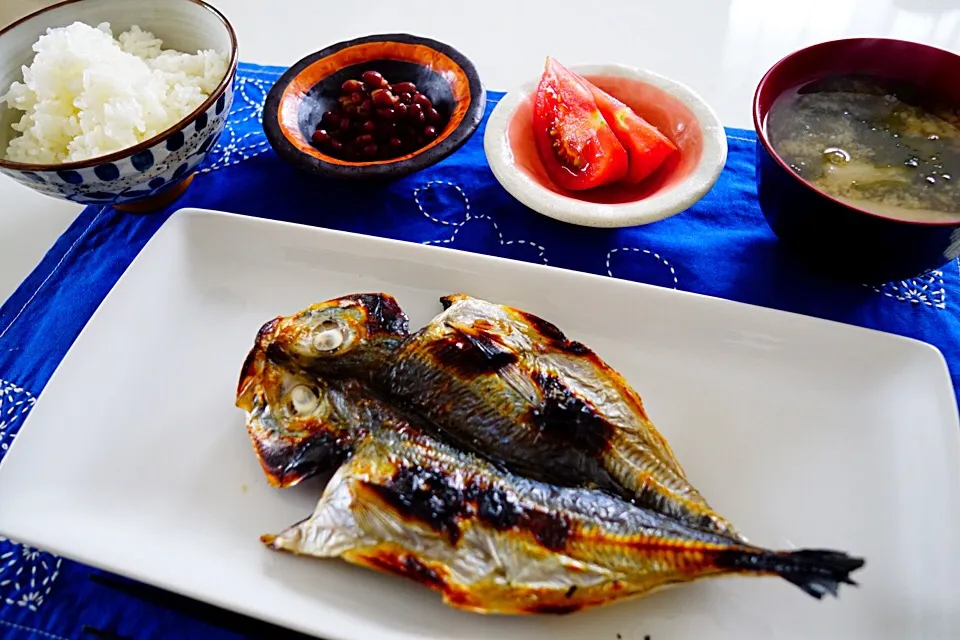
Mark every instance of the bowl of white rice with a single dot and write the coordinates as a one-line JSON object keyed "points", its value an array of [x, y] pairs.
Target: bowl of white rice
{"points": [[113, 102]]}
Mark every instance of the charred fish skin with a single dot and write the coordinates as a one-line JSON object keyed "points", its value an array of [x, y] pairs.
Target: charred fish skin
{"points": [[510, 385], [492, 542]]}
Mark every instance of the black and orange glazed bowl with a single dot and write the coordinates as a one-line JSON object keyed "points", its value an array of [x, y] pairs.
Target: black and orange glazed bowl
{"points": [[830, 235], [311, 87]]}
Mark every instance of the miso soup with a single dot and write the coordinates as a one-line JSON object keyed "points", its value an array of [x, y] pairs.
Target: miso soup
{"points": [[876, 144]]}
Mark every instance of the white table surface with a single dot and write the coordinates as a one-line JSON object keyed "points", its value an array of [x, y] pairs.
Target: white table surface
{"points": [[720, 48]]}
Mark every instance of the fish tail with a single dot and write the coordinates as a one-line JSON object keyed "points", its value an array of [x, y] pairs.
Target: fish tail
{"points": [[816, 571]]}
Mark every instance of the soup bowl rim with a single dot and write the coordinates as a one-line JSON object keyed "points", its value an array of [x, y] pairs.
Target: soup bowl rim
{"points": [[763, 138]]}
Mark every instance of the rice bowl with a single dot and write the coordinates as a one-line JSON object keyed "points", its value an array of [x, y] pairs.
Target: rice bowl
{"points": [[161, 161]]}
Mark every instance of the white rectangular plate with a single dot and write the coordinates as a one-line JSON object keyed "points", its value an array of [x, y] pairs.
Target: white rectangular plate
{"points": [[802, 432]]}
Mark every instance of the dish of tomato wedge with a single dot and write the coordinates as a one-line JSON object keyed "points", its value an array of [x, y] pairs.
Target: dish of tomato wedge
{"points": [[586, 138]]}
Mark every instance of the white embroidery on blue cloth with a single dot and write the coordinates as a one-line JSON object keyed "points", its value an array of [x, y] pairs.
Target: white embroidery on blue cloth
{"points": [[653, 254], [741, 138], [15, 402], [39, 632], [541, 250], [927, 290], [467, 217], [232, 148], [423, 189], [26, 574], [50, 275]]}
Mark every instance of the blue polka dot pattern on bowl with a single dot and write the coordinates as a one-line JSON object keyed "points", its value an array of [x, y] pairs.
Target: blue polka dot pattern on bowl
{"points": [[71, 177], [142, 161], [107, 172], [175, 141]]}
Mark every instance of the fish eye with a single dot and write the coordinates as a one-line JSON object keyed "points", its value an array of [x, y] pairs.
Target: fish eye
{"points": [[304, 399], [328, 336]]}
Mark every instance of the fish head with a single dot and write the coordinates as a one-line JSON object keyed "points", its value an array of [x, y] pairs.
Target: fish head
{"points": [[298, 424], [349, 335]]}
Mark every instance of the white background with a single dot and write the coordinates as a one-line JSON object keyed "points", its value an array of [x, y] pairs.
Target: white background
{"points": [[720, 48]]}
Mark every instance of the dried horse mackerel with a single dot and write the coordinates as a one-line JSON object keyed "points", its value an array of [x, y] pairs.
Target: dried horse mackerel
{"points": [[487, 528]]}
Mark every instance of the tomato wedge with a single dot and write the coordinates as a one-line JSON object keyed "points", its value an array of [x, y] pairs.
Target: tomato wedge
{"points": [[576, 145], [646, 147]]}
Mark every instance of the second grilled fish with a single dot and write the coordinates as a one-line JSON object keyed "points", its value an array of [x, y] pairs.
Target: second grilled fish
{"points": [[491, 542]]}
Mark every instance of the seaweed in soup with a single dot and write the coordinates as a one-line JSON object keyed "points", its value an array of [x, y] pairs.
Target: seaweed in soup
{"points": [[886, 146]]}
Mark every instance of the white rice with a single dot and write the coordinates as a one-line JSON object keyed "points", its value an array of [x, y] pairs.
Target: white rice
{"points": [[87, 94]]}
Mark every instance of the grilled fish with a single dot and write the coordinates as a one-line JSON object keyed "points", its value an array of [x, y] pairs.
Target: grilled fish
{"points": [[509, 386], [492, 542], [288, 409], [404, 501]]}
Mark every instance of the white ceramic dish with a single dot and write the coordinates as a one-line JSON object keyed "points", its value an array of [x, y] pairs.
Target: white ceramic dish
{"points": [[528, 188], [801, 431]]}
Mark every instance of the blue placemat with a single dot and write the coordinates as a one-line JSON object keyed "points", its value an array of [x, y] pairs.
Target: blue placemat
{"points": [[720, 247]]}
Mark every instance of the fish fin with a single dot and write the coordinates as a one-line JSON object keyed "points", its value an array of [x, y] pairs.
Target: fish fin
{"points": [[449, 300], [817, 571]]}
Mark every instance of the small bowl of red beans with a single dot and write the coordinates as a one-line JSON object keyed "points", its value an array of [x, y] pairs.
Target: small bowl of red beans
{"points": [[382, 106]]}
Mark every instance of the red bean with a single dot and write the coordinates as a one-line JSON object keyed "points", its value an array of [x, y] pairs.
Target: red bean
{"points": [[330, 118], [383, 98], [429, 132], [401, 111], [406, 98], [336, 145], [433, 116], [344, 124], [365, 108], [364, 140], [415, 114], [352, 86], [396, 143], [357, 98], [422, 100], [369, 126], [320, 137], [370, 150], [373, 79], [385, 113], [404, 87]]}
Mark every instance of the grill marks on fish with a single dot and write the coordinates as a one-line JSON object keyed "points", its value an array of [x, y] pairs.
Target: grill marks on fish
{"points": [[384, 314], [552, 333], [436, 500], [408, 566], [287, 460], [471, 354], [569, 419]]}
